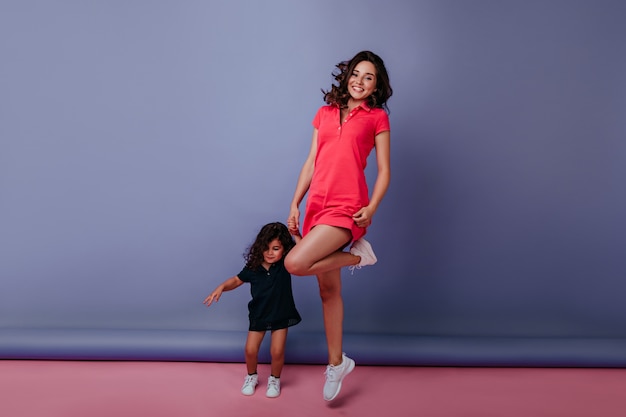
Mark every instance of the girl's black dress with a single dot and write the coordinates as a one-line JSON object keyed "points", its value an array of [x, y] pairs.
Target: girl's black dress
{"points": [[272, 306]]}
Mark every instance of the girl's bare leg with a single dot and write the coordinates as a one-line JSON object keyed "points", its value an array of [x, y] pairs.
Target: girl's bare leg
{"points": [[332, 306], [318, 252], [277, 350], [253, 344]]}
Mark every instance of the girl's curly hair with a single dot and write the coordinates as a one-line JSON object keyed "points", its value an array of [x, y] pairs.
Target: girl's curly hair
{"points": [[269, 232], [339, 95]]}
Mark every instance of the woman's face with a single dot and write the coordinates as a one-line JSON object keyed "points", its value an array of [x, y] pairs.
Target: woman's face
{"points": [[274, 252], [362, 81]]}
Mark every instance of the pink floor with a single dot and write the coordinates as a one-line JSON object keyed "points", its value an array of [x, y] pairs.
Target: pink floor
{"points": [[173, 389]]}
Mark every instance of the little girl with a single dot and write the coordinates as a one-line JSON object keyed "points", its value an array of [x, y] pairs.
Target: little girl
{"points": [[272, 306]]}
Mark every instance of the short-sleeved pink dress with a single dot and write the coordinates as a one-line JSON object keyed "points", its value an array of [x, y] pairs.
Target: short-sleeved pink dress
{"points": [[338, 187]]}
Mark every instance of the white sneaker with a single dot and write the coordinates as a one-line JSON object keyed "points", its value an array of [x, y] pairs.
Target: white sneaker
{"points": [[273, 387], [334, 375], [363, 249], [249, 385]]}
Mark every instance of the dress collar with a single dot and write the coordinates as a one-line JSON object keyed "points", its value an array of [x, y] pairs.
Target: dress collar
{"points": [[363, 105]]}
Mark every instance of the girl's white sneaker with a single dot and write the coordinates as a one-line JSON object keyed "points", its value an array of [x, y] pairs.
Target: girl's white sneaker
{"points": [[249, 384], [273, 387]]}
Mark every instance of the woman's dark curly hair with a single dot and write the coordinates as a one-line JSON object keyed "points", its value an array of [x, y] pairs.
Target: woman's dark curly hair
{"points": [[269, 232], [339, 95]]}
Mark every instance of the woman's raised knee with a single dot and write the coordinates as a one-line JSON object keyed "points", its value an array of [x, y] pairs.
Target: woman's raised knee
{"points": [[295, 266]]}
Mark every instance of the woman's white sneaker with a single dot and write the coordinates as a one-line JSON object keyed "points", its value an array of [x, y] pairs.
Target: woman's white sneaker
{"points": [[335, 375], [363, 249]]}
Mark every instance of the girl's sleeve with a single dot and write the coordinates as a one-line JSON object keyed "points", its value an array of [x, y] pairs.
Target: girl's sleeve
{"points": [[245, 274], [382, 122]]}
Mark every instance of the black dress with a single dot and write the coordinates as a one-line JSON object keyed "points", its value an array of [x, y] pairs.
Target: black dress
{"points": [[272, 306]]}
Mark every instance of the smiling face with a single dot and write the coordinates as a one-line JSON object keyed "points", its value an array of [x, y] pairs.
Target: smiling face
{"points": [[362, 81], [273, 253]]}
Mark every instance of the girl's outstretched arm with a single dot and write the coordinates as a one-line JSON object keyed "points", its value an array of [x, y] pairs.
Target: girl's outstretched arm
{"points": [[228, 285]]}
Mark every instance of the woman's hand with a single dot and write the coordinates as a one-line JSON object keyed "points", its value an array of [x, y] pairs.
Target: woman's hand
{"points": [[363, 217], [293, 221]]}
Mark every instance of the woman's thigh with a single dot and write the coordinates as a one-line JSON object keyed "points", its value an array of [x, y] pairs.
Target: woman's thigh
{"points": [[320, 242]]}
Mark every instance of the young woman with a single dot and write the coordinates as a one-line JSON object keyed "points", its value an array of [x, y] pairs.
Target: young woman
{"points": [[339, 208], [272, 306]]}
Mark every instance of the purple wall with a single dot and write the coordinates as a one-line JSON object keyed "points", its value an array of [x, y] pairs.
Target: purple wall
{"points": [[142, 145]]}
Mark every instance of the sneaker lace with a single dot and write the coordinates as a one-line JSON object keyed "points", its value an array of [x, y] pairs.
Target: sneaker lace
{"points": [[331, 373], [249, 380], [353, 267], [272, 383]]}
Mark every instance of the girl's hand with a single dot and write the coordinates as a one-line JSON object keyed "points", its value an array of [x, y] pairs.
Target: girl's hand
{"points": [[214, 296], [297, 237], [363, 217], [293, 221]]}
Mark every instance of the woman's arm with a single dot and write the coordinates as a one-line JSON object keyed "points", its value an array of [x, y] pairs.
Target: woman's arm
{"points": [[302, 186], [363, 217]]}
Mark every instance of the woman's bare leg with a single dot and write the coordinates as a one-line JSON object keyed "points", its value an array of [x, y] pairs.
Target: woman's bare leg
{"points": [[277, 351], [319, 251], [332, 306], [253, 343]]}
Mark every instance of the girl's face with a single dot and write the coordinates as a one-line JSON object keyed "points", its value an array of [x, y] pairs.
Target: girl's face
{"points": [[274, 252], [362, 81]]}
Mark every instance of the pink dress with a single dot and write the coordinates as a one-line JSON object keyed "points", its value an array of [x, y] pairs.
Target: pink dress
{"points": [[338, 187]]}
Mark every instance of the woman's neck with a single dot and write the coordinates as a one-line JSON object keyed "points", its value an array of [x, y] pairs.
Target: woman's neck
{"points": [[352, 103]]}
